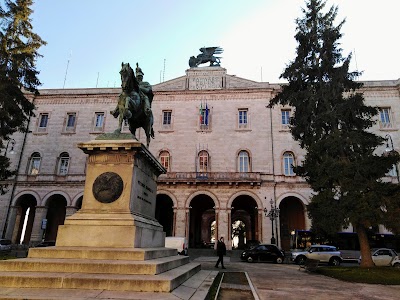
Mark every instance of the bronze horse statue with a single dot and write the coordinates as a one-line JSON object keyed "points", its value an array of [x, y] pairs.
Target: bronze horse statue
{"points": [[130, 106]]}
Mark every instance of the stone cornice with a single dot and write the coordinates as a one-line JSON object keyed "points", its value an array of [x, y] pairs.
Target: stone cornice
{"points": [[77, 100]]}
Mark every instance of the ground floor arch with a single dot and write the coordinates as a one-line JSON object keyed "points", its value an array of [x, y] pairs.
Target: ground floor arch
{"points": [[291, 217], [165, 213], [202, 222], [56, 210], [25, 208], [245, 221]]}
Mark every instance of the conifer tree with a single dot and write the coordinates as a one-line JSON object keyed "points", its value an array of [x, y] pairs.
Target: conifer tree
{"points": [[18, 74], [344, 164]]}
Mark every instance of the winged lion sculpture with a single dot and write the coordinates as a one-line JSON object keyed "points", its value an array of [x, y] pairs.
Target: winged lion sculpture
{"points": [[206, 55]]}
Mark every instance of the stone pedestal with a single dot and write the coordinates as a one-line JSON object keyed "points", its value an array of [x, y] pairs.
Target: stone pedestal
{"points": [[119, 199], [113, 242]]}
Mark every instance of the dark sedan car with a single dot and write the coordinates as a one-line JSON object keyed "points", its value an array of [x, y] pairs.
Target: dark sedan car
{"points": [[251, 244], [264, 252]]}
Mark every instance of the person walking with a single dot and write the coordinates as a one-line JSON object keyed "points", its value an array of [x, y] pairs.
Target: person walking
{"points": [[221, 251]]}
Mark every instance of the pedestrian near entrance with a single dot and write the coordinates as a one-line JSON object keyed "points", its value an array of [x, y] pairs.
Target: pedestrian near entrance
{"points": [[221, 251]]}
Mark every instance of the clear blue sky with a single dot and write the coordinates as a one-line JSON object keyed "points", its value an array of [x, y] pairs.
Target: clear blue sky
{"points": [[257, 36]]}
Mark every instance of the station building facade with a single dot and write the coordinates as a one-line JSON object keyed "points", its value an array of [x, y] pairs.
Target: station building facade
{"points": [[228, 155]]}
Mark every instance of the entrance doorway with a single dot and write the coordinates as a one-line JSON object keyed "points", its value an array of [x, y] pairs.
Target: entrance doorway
{"points": [[25, 217], [165, 213], [202, 223], [244, 221], [55, 216], [291, 218]]}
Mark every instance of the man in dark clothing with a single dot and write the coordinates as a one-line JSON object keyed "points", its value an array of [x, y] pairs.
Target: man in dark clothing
{"points": [[221, 251]]}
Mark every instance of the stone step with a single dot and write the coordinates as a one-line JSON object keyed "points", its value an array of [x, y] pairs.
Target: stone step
{"points": [[101, 253], [79, 294], [164, 282], [73, 265]]}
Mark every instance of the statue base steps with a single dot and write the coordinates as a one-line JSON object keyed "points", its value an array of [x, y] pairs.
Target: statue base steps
{"points": [[113, 242], [112, 269]]}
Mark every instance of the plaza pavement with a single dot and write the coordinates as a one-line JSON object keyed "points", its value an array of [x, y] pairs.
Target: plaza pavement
{"points": [[286, 281]]}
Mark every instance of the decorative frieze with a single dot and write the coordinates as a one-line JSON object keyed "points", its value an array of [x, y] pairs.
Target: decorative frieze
{"points": [[111, 158]]}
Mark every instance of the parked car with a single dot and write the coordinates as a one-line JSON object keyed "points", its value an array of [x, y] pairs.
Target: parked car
{"points": [[263, 252], [396, 262], [323, 253], [5, 245], [252, 243], [384, 257]]}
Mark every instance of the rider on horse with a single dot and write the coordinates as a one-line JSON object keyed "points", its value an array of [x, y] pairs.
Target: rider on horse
{"points": [[134, 103], [146, 92]]}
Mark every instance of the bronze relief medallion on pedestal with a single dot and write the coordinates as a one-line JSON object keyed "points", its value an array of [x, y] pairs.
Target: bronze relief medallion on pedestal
{"points": [[107, 187]]}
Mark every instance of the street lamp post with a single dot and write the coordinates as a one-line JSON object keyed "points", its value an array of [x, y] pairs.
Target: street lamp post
{"points": [[390, 149], [273, 214]]}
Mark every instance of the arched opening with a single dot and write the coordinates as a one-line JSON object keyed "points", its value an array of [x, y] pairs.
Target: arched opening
{"points": [[165, 160], [78, 204], [165, 213], [203, 162], [244, 164], [244, 221], [34, 164], [55, 216], [291, 218], [202, 232], [63, 164], [25, 217]]}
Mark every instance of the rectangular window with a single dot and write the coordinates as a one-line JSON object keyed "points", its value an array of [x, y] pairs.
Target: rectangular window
{"points": [[285, 118], [243, 164], [243, 118], [288, 162], [385, 117], [167, 119], [35, 165], [70, 122], [203, 163], [99, 121], [64, 163], [205, 118], [165, 162], [43, 120]]}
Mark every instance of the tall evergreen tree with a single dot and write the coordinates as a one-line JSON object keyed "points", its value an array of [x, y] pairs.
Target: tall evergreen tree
{"points": [[331, 123], [18, 74]]}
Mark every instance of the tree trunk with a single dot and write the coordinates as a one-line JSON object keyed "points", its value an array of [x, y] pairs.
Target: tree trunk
{"points": [[366, 256]]}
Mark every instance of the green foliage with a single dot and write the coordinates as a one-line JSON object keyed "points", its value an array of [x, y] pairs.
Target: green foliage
{"points": [[331, 122], [381, 275], [18, 75]]}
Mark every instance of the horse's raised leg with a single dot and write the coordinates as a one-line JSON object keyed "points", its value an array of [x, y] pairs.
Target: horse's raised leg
{"points": [[127, 113]]}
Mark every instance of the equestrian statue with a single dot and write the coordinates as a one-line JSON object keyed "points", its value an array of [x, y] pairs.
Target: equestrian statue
{"points": [[206, 55], [134, 103]]}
